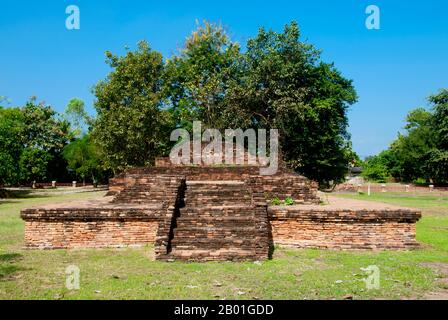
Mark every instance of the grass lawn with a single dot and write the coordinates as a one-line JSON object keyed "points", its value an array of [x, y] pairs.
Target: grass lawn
{"points": [[292, 274]]}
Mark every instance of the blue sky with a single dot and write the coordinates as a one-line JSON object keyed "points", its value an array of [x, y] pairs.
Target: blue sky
{"points": [[394, 69]]}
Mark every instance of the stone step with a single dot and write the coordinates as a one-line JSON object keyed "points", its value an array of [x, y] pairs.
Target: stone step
{"points": [[204, 193], [233, 254], [220, 192], [216, 202], [188, 243], [224, 221], [222, 186], [218, 231], [209, 198], [217, 223], [188, 238], [218, 211]]}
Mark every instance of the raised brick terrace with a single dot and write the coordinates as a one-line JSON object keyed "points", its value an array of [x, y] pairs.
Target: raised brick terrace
{"points": [[217, 213]]}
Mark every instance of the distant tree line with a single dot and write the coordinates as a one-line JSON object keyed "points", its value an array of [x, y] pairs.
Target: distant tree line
{"points": [[277, 81], [38, 144], [420, 154]]}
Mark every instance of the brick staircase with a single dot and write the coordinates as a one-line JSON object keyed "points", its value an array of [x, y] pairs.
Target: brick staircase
{"points": [[219, 221], [205, 220]]}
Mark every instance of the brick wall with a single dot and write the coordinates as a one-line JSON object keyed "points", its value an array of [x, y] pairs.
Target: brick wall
{"points": [[89, 234], [291, 226], [84, 227], [344, 229]]}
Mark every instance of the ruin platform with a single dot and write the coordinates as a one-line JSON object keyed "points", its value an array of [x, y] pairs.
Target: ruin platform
{"points": [[225, 213]]}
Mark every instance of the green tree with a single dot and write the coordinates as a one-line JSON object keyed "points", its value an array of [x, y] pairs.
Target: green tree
{"points": [[84, 158], [77, 116], [33, 164], [410, 149], [43, 129], [437, 158], [376, 168], [439, 103], [11, 144], [131, 126], [199, 76], [436, 165], [421, 152], [47, 133], [285, 85]]}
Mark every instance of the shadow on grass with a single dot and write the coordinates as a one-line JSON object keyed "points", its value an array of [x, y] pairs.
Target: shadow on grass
{"points": [[23, 194], [7, 270], [5, 257], [7, 266], [7, 201]]}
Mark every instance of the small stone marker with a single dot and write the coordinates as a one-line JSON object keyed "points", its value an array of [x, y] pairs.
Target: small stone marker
{"points": [[74, 184], [406, 188], [359, 188], [431, 188], [53, 184], [368, 190], [34, 185], [383, 188]]}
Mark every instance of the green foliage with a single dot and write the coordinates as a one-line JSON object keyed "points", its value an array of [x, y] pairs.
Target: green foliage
{"points": [[436, 165], [279, 82], [48, 134], [77, 116], [131, 128], [284, 85], [440, 118], [44, 130], [198, 78], [33, 164], [11, 144], [276, 201], [31, 140], [421, 154], [353, 158], [375, 168], [84, 158], [411, 148], [289, 201]]}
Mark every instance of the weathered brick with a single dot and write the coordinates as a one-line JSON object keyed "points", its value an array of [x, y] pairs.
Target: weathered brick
{"points": [[216, 213]]}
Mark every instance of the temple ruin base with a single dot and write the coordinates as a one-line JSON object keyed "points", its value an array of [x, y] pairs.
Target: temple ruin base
{"points": [[225, 213]]}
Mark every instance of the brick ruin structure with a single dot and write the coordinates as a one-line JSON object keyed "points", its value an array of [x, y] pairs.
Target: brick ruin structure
{"points": [[200, 213]]}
